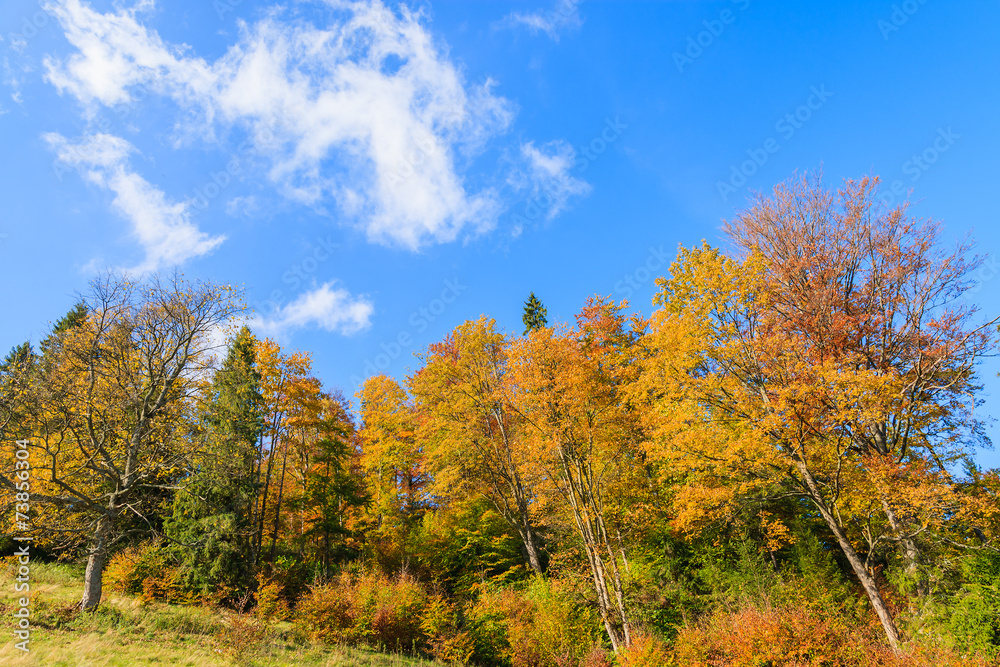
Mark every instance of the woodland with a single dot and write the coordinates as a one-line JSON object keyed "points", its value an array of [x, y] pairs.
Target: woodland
{"points": [[777, 465]]}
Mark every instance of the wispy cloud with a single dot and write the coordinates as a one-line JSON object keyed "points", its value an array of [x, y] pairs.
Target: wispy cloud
{"points": [[366, 112], [163, 228], [328, 307], [565, 15], [545, 175]]}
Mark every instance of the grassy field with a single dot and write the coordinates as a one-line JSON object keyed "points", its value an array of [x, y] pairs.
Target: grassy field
{"points": [[125, 632]]}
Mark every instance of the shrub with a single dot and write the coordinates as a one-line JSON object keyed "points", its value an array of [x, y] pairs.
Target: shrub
{"points": [[328, 612], [271, 605], [241, 637], [645, 651], [127, 569], [796, 636], [439, 625], [486, 624], [368, 609], [146, 570], [543, 626]]}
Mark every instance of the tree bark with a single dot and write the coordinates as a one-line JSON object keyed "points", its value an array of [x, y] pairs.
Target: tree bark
{"points": [[531, 544], [259, 537], [93, 579], [911, 552], [587, 514], [277, 511], [867, 581]]}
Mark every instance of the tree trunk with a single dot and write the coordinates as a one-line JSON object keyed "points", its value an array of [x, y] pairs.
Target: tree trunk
{"points": [[587, 515], [531, 546], [911, 553], [277, 511], [93, 579], [259, 537], [867, 581]]}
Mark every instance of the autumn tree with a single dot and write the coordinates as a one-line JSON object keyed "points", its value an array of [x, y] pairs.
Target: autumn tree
{"points": [[475, 438], [392, 460], [283, 377], [583, 433], [106, 409], [831, 358], [323, 487]]}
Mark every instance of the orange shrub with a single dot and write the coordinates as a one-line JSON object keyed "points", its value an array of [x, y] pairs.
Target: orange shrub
{"points": [[645, 651], [126, 570], [439, 624], [542, 626], [370, 609], [241, 637], [271, 605], [327, 613], [795, 636]]}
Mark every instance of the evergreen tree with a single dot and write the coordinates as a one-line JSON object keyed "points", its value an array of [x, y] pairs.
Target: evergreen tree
{"points": [[332, 489], [212, 514], [534, 314], [19, 356], [74, 318]]}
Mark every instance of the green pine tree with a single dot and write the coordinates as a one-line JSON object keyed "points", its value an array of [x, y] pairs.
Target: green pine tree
{"points": [[331, 490], [19, 356], [73, 318], [534, 314], [212, 513]]}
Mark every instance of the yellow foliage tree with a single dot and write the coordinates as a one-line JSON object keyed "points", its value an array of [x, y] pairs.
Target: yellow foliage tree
{"points": [[830, 359], [393, 463], [104, 410], [584, 436], [475, 437]]}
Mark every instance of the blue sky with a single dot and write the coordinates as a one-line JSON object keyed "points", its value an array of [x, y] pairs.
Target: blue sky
{"points": [[374, 174]]}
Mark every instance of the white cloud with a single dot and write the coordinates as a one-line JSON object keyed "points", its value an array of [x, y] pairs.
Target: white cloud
{"points": [[241, 207], [163, 228], [329, 308], [366, 111], [14, 80], [564, 15], [115, 53], [546, 174]]}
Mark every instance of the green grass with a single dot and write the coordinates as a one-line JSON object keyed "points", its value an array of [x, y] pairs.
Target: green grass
{"points": [[125, 632]]}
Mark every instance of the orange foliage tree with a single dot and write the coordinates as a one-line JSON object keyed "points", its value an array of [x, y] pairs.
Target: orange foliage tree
{"points": [[392, 460], [584, 437], [475, 438], [106, 409], [285, 384], [831, 358]]}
